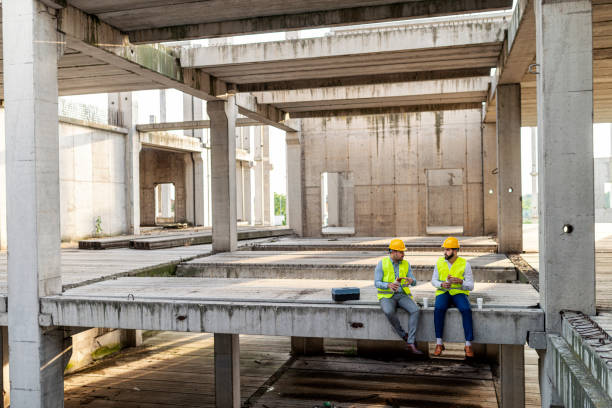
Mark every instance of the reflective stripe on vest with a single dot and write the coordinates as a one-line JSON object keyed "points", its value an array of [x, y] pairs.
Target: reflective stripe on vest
{"points": [[389, 276], [456, 271]]}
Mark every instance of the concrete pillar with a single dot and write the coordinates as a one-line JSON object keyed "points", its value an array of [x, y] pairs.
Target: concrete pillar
{"points": [[565, 133], [258, 170], [162, 105], [189, 188], [534, 173], [564, 50], [509, 205], [489, 171], [512, 375], [223, 178], [307, 346], [123, 111], [294, 180], [199, 177], [268, 199], [33, 224], [239, 191], [6, 383], [248, 177], [227, 369], [131, 338], [333, 199]]}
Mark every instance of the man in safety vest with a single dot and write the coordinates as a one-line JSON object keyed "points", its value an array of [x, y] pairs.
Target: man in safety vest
{"points": [[453, 279], [393, 278]]}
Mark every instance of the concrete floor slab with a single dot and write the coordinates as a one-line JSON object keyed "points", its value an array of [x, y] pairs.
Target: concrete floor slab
{"points": [[333, 265]]}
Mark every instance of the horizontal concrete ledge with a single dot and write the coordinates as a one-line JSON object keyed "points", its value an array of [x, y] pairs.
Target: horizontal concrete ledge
{"points": [[502, 326], [340, 272], [574, 384], [93, 125], [170, 141]]}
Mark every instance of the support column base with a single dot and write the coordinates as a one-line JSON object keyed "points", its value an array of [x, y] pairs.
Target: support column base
{"points": [[307, 346]]}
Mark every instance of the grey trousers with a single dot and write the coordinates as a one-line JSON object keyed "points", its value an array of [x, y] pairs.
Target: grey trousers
{"points": [[389, 308]]}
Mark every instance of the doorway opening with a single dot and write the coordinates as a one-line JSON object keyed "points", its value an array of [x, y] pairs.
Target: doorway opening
{"points": [[337, 203], [445, 205], [165, 196]]}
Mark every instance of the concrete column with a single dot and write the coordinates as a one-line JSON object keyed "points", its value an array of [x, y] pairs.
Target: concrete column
{"points": [[239, 191], [123, 111], [268, 199], [189, 188], [294, 181], [33, 224], [510, 211], [565, 133], [512, 375], [247, 190], [131, 338], [223, 178], [199, 176], [550, 396], [489, 171], [534, 173], [258, 170], [227, 370], [6, 383], [333, 201], [162, 105], [307, 346]]}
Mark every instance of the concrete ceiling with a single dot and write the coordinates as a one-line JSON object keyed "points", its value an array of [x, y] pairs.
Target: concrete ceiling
{"points": [[172, 20]]}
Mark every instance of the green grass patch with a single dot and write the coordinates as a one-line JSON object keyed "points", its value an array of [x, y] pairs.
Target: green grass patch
{"points": [[161, 272]]}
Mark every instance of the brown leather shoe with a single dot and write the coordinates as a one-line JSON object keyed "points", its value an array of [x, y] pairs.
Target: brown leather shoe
{"points": [[469, 353], [439, 349]]}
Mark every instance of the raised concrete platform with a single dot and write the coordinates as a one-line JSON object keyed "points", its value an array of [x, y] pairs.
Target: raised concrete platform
{"points": [[333, 265], [414, 244], [195, 236], [281, 307]]}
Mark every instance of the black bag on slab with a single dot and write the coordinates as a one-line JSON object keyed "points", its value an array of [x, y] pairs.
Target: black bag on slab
{"points": [[342, 294]]}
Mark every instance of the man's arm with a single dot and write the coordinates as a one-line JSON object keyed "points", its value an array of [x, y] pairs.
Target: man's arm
{"points": [[411, 275], [378, 276], [435, 278], [468, 278]]}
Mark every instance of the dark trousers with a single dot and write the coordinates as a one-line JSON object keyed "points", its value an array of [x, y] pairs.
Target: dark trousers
{"points": [[443, 302]]}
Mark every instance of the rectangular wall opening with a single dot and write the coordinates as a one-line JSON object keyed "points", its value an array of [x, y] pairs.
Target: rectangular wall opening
{"points": [[445, 208], [165, 196], [337, 203]]}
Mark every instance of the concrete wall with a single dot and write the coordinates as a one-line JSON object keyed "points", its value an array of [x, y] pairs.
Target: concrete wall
{"points": [[160, 166], [92, 181], [389, 156]]}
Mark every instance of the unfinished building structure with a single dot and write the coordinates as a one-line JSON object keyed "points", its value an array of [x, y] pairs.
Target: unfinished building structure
{"points": [[408, 116]]}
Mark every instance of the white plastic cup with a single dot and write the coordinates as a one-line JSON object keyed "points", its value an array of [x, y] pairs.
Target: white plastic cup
{"points": [[425, 303], [479, 303]]}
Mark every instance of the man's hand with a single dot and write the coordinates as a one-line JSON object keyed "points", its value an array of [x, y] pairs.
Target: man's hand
{"points": [[393, 286], [446, 285], [455, 281], [408, 281]]}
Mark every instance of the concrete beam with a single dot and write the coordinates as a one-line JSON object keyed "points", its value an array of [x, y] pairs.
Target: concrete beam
{"points": [[385, 110], [345, 321], [171, 141], [411, 37], [265, 114], [565, 137], [319, 18], [190, 125], [360, 80], [97, 39], [437, 88], [519, 48]]}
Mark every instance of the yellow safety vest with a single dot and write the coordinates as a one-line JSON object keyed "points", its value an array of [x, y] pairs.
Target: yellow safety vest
{"points": [[389, 276], [456, 271]]}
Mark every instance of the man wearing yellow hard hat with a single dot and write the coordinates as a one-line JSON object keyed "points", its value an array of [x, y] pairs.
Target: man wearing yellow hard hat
{"points": [[453, 279], [393, 278]]}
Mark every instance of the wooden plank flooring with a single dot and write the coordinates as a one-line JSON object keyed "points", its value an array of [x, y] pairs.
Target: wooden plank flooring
{"points": [[176, 369]]}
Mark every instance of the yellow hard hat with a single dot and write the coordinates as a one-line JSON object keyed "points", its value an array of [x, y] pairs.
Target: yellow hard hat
{"points": [[397, 245], [451, 242]]}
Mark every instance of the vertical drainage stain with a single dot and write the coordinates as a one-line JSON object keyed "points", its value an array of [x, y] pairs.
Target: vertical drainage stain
{"points": [[439, 119]]}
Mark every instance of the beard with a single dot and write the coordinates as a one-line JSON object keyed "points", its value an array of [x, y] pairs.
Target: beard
{"points": [[447, 257]]}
